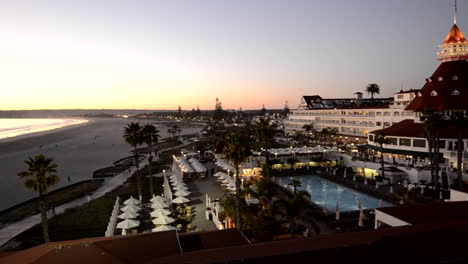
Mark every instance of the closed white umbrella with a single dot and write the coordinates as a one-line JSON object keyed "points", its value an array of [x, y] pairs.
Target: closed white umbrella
{"points": [[158, 198], [132, 200], [163, 220], [160, 212], [128, 223], [163, 228], [180, 200], [128, 215], [182, 193], [181, 187]]}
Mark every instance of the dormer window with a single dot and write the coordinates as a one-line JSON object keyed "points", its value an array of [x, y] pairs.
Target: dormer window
{"points": [[455, 92], [455, 78], [433, 93], [440, 79]]}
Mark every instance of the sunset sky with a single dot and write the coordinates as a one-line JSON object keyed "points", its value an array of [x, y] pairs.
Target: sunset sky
{"points": [[138, 54]]}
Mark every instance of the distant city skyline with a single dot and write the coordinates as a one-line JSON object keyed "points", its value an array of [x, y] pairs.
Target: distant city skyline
{"points": [[165, 54]]}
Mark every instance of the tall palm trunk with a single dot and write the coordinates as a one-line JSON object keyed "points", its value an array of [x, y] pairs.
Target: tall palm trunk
{"points": [[150, 160], [45, 226], [238, 197], [137, 174], [267, 161], [431, 158], [436, 159], [459, 159], [382, 161]]}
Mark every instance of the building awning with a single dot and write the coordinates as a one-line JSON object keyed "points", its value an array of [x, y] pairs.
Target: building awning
{"points": [[401, 151]]}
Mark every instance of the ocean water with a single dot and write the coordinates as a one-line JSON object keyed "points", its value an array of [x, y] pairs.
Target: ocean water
{"points": [[12, 127], [327, 194]]}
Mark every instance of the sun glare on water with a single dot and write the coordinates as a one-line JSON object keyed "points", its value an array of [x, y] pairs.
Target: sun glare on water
{"points": [[12, 127]]}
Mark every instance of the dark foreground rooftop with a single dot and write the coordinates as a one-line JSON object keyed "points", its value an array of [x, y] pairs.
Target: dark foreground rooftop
{"points": [[434, 242]]}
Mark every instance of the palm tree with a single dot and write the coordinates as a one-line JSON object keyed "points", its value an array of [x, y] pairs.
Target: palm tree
{"points": [[372, 89], [295, 184], [432, 122], [265, 132], [150, 137], [309, 128], [264, 191], [133, 136], [381, 139], [297, 212], [40, 176], [237, 150], [459, 120]]}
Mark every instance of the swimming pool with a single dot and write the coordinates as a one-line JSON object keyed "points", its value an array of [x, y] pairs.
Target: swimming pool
{"points": [[327, 194]]}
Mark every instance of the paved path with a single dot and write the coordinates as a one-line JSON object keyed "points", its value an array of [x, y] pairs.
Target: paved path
{"points": [[199, 188], [10, 231]]}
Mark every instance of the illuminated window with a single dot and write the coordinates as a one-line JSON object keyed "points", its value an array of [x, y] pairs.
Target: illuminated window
{"points": [[455, 92]]}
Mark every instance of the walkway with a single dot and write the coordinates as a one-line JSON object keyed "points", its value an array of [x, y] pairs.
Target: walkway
{"points": [[199, 188]]}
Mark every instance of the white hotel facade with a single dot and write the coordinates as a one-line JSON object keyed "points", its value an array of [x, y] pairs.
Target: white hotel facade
{"points": [[350, 116]]}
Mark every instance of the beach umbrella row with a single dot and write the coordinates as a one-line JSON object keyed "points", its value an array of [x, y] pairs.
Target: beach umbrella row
{"points": [[225, 165], [183, 164], [197, 166]]}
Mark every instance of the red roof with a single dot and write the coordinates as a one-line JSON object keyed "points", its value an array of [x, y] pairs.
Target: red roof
{"points": [[455, 35], [408, 128], [437, 212], [446, 89]]}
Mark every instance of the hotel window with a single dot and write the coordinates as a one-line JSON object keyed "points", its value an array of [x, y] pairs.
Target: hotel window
{"points": [[420, 143], [379, 113], [396, 113], [371, 137], [392, 141], [442, 144], [378, 123], [400, 96], [405, 142], [386, 123], [387, 114]]}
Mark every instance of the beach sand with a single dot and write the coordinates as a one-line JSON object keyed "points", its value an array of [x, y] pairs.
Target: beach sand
{"points": [[78, 150]]}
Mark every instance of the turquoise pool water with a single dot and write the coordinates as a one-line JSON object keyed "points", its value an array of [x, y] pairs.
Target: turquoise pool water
{"points": [[327, 194]]}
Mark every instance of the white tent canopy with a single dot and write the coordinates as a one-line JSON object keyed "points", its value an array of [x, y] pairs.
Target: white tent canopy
{"points": [[163, 220], [180, 200], [158, 205], [128, 223], [160, 212], [132, 200], [158, 198], [128, 215], [182, 193], [163, 228], [130, 208], [181, 187]]}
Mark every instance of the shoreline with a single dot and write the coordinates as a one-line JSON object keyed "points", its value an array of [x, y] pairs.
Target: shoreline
{"points": [[48, 131]]}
